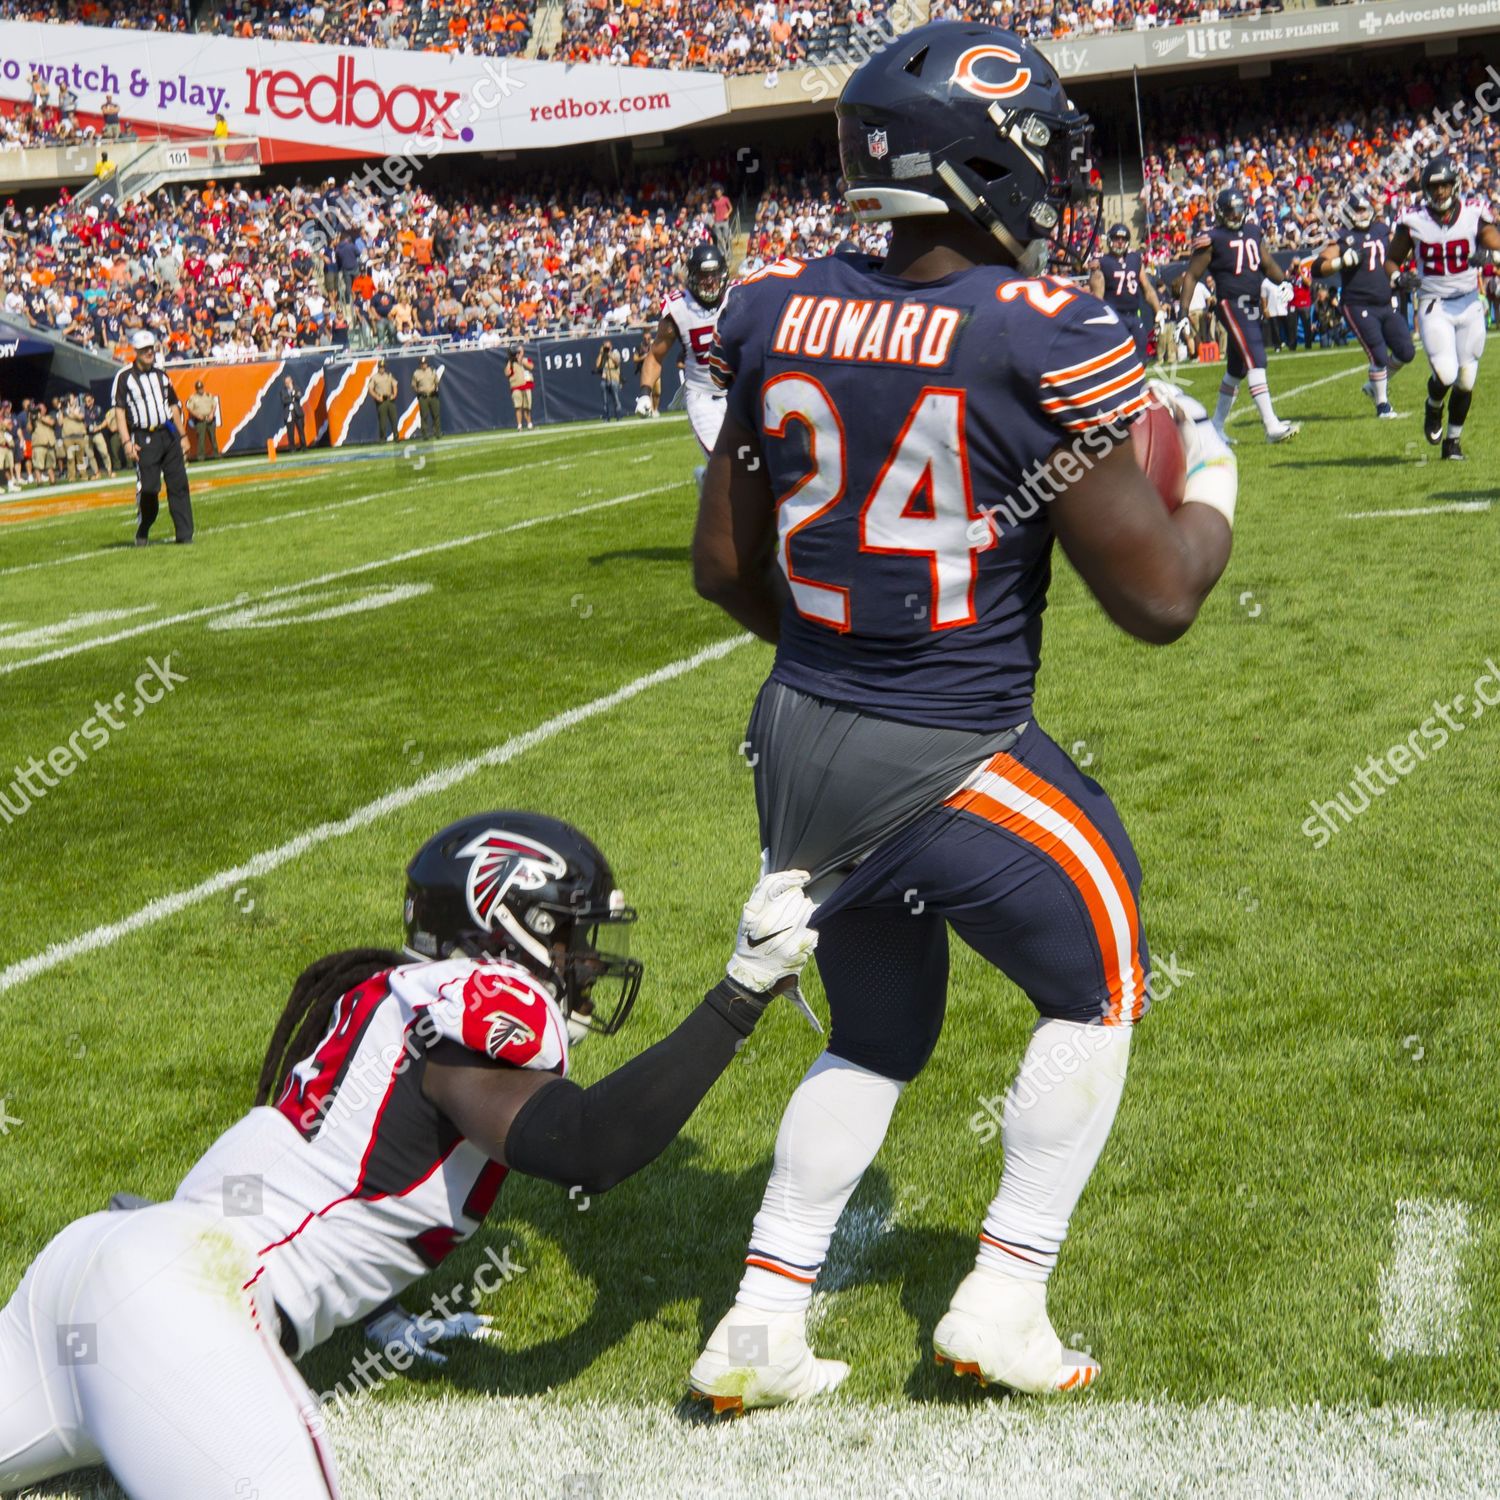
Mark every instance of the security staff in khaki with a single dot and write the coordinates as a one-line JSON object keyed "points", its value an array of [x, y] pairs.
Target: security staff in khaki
{"points": [[383, 392], [103, 439], [75, 439], [44, 443], [424, 386], [203, 418]]}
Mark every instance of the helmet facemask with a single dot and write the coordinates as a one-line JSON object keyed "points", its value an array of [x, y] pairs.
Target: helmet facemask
{"points": [[1359, 213]]}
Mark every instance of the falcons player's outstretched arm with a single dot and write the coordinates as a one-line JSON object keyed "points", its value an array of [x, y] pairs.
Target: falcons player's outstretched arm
{"points": [[1151, 570], [551, 1128], [1399, 252], [1489, 239], [661, 346], [734, 541]]}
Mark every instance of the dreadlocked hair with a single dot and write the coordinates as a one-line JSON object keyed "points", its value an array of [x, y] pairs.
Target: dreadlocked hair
{"points": [[309, 1009]]}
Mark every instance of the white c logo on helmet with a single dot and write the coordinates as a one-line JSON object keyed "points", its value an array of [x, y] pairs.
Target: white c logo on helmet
{"points": [[965, 77]]}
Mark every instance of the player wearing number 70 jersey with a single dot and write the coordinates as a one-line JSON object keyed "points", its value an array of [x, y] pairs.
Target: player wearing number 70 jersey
{"points": [[1451, 240], [906, 439]]}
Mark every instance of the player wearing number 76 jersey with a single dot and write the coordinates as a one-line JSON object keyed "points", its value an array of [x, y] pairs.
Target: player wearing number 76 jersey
{"points": [[906, 439], [1451, 240]]}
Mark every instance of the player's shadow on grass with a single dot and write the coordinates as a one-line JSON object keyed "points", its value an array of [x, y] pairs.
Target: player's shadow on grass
{"points": [[643, 554], [660, 1258], [1366, 461]]}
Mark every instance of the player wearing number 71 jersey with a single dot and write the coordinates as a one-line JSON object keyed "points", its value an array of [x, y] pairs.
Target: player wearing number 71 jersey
{"points": [[1451, 240], [906, 439]]}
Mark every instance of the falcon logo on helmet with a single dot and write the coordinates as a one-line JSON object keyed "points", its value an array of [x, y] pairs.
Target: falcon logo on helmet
{"points": [[1440, 189], [707, 275], [979, 125], [499, 862]]}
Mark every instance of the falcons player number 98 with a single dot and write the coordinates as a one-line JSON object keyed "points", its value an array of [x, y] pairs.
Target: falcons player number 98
{"points": [[398, 1091], [1451, 239]]}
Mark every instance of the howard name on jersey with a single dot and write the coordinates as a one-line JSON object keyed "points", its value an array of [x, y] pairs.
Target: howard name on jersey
{"points": [[907, 430], [1445, 252], [695, 327], [353, 1185], [1366, 283], [1234, 262]]}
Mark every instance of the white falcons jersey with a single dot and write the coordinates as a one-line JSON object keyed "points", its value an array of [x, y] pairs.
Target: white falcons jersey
{"points": [[1445, 252], [353, 1185], [695, 327]]}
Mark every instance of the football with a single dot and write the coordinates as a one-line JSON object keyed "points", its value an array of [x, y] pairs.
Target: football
{"points": [[1159, 452]]}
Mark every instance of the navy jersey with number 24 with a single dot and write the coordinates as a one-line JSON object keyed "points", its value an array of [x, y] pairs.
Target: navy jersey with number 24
{"points": [[904, 427]]}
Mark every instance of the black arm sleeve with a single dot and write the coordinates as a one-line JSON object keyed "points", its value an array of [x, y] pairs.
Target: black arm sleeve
{"points": [[596, 1137]]}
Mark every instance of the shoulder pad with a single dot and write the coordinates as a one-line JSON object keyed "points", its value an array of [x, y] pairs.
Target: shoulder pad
{"points": [[497, 1009]]}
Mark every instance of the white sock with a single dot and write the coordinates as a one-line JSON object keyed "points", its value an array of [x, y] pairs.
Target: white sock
{"points": [[1229, 388], [1380, 381], [1262, 398], [832, 1128], [1058, 1115]]}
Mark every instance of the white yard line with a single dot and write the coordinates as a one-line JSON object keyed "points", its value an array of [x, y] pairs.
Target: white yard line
{"points": [[1422, 1298], [372, 812], [456, 1446], [76, 647], [1298, 390], [1454, 508]]}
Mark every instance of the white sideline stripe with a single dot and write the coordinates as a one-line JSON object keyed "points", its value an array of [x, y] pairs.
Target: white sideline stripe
{"points": [[1456, 507], [429, 786], [309, 510], [6, 668], [1298, 390], [1422, 1299]]}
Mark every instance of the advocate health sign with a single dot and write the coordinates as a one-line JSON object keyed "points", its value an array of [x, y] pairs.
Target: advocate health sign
{"points": [[306, 101]]}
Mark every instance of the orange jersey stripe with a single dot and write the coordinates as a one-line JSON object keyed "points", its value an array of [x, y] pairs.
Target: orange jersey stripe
{"points": [[1089, 366], [1135, 404], [1096, 393]]}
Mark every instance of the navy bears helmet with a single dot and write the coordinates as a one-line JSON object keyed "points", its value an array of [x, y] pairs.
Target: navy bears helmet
{"points": [[1439, 173], [533, 889], [707, 275], [964, 118], [1119, 239], [1359, 212], [1230, 208]]}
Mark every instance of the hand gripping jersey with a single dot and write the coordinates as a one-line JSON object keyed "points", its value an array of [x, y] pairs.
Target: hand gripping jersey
{"points": [[353, 1186], [1367, 284], [1122, 282], [1235, 264], [1445, 252], [695, 327], [906, 430]]}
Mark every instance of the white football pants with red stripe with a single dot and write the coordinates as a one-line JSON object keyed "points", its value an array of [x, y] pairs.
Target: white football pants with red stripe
{"points": [[131, 1342], [705, 411]]}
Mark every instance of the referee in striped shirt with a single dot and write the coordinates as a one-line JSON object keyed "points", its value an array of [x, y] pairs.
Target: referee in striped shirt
{"points": [[148, 417]]}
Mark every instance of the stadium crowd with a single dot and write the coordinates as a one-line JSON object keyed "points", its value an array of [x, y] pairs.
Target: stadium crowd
{"points": [[233, 271]]}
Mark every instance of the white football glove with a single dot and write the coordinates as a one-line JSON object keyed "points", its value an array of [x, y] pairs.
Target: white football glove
{"points": [[401, 1329], [1185, 331], [1351, 257], [643, 405], [1212, 474], [774, 939]]}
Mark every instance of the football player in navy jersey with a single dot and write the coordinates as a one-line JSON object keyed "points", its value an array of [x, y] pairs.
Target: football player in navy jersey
{"points": [[1123, 281], [1359, 256], [903, 441], [1231, 252]]}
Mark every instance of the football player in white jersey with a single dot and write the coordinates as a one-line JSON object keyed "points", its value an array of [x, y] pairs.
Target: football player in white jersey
{"points": [[1451, 239], [398, 1092], [688, 318]]}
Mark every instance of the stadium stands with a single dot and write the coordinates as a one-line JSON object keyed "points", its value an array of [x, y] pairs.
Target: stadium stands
{"points": [[496, 29]]}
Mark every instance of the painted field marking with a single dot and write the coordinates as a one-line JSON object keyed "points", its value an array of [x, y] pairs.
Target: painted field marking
{"points": [[362, 817], [291, 588], [1298, 390], [1422, 1298], [1454, 508]]}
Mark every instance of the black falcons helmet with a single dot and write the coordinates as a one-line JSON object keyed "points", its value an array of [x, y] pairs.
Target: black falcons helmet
{"points": [[707, 274], [533, 889], [1359, 212], [1119, 238], [1229, 208], [959, 117], [1440, 172]]}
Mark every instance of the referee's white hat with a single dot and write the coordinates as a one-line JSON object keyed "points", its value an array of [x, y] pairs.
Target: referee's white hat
{"points": [[143, 338]]}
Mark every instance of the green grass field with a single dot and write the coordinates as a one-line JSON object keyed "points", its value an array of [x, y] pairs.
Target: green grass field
{"points": [[1324, 1052]]}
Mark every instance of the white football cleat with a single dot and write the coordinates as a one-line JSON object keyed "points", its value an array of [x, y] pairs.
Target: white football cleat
{"points": [[997, 1329], [1282, 433], [756, 1358]]}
